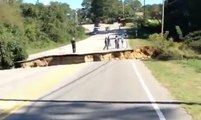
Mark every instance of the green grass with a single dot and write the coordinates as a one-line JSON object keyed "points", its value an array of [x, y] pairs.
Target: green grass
{"points": [[129, 25], [153, 21], [135, 43], [181, 77]]}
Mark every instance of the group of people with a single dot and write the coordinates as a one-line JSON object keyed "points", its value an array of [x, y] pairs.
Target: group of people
{"points": [[118, 42]]}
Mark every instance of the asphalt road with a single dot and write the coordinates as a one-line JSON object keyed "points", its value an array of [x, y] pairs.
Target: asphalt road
{"points": [[115, 90]]}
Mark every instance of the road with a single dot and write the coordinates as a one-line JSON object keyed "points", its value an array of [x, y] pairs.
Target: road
{"points": [[114, 90], [92, 44]]}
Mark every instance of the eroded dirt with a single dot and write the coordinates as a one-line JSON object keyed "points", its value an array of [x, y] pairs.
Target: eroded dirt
{"points": [[143, 53]]}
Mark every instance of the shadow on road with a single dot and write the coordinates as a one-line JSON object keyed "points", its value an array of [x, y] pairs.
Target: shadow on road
{"points": [[93, 110], [113, 31], [104, 102]]}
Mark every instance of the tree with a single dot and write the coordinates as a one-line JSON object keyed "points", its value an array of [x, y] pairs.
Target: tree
{"points": [[87, 4], [154, 11], [10, 13], [85, 13], [12, 47], [131, 7], [104, 9], [97, 10], [183, 14]]}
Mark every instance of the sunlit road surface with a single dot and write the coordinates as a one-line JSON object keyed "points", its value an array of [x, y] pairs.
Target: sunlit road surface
{"points": [[115, 90]]}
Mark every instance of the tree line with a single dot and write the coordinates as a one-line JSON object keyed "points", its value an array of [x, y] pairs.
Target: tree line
{"points": [[109, 10], [26, 26]]}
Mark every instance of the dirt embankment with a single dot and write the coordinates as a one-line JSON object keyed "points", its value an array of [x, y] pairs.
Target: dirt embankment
{"points": [[142, 53]]}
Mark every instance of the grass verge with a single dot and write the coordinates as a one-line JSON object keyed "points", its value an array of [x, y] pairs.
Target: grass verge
{"points": [[181, 77], [135, 43]]}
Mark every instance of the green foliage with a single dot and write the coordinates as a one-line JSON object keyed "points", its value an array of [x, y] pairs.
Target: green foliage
{"points": [[24, 25], [7, 57], [131, 7], [196, 45], [153, 11], [57, 25], [109, 10], [159, 41], [194, 36], [80, 31], [151, 23], [11, 52], [10, 13], [193, 40], [186, 16], [146, 27], [12, 47], [168, 49], [102, 9]]}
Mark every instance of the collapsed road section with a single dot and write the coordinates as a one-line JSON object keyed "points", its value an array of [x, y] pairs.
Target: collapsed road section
{"points": [[143, 53]]}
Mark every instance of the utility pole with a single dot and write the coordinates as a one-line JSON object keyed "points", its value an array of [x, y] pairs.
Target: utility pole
{"points": [[76, 18], [144, 8], [123, 8], [76, 23], [163, 14]]}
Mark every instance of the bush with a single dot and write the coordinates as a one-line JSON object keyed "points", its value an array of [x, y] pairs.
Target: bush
{"points": [[6, 56], [147, 28], [11, 52], [19, 52], [194, 36], [160, 42], [194, 40], [169, 49], [80, 32]]}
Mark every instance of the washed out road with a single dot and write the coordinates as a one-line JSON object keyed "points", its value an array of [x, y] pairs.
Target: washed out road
{"points": [[114, 90]]}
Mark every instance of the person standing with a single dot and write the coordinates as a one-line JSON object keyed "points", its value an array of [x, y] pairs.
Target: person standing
{"points": [[109, 43], [136, 33], [118, 45], [122, 41], [106, 43], [116, 42], [73, 43]]}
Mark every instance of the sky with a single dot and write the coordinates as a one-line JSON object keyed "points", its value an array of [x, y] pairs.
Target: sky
{"points": [[77, 3]]}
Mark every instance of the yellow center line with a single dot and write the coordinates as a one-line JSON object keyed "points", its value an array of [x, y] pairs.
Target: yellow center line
{"points": [[35, 90]]}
